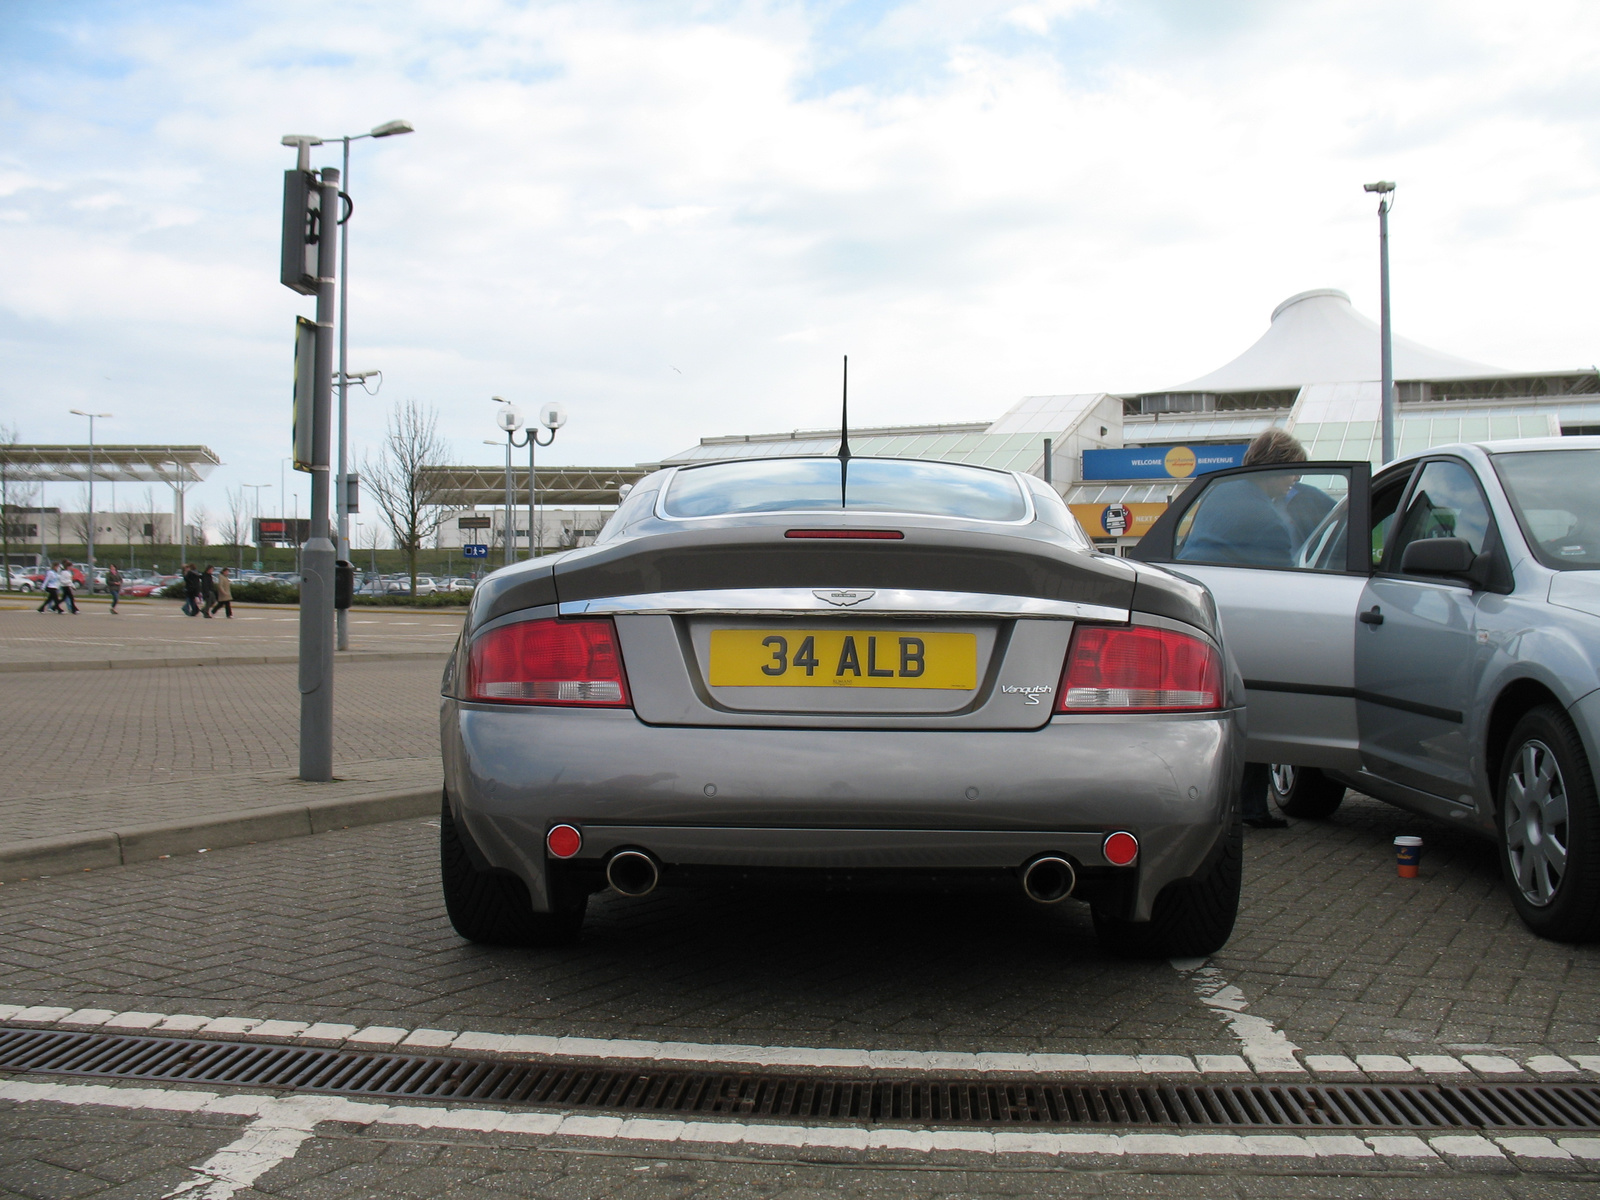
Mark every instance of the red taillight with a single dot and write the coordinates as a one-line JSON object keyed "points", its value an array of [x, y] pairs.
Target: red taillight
{"points": [[1120, 848], [1135, 668], [549, 662], [864, 535], [563, 841]]}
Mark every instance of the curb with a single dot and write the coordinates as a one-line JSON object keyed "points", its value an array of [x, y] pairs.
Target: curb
{"points": [[140, 843], [239, 660]]}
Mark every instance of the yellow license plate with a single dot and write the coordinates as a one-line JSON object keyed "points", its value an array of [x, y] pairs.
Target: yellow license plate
{"points": [[843, 658]]}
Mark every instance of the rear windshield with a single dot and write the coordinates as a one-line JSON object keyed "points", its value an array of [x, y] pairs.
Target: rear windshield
{"points": [[1557, 497], [887, 485]]}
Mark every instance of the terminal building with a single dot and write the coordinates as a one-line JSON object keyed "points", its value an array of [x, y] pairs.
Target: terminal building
{"points": [[1119, 457]]}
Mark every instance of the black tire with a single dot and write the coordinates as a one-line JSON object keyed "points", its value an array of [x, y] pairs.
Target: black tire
{"points": [[1192, 917], [1550, 828], [492, 907], [1303, 791]]}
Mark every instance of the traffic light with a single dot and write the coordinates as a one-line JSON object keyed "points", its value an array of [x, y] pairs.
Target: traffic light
{"points": [[302, 231]]}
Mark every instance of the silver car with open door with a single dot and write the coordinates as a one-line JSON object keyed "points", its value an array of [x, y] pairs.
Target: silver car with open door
{"points": [[835, 672], [1432, 638]]}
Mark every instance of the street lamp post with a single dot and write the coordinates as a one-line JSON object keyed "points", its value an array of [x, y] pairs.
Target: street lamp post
{"points": [[257, 488], [509, 414], [1385, 193], [552, 416], [89, 523], [342, 486]]}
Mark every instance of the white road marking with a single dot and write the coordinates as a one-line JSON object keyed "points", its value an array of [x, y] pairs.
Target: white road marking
{"points": [[1268, 1050], [282, 1125], [537, 1046]]}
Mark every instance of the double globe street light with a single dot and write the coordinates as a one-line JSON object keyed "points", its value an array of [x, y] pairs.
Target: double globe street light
{"points": [[552, 415]]}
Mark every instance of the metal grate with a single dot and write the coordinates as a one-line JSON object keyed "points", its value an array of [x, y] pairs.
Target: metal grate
{"points": [[1568, 1107]]}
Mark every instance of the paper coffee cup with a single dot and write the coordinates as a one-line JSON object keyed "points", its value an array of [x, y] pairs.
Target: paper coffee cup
{"points": [[1407, 855]]}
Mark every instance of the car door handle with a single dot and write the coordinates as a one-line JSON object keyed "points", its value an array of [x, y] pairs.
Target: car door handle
{"points": [[1375, 617]]}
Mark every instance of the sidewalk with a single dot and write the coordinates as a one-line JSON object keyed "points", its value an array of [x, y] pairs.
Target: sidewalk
{"points": [[109, 767], [155, 633]]}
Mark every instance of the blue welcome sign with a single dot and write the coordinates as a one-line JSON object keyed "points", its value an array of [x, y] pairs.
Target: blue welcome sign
{"points": [[1160, 462]]}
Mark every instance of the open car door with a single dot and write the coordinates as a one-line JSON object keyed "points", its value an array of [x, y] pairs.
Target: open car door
{"points": [[1274, 544]]}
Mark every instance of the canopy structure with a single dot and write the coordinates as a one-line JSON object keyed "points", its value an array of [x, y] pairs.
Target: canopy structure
{"points": [[1317, 337], [468, 487], [179, 465]]}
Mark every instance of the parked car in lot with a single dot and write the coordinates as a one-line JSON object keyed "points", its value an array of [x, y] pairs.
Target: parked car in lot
{"points": [[21, 579], [458, 583], [1430, 637], [842, 671]]}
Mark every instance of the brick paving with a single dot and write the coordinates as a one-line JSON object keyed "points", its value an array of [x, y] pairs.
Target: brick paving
{"points": [[49, 1151], [348, 927], [146, 629], [92, 750]]}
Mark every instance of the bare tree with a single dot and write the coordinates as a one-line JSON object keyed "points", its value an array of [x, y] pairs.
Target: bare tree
{"points": [[130, 523], [13, 494], [199, 519], [234, 527], [399, 479]]}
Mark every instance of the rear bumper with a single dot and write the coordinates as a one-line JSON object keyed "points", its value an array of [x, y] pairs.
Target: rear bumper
{"points": [[842, 801]]}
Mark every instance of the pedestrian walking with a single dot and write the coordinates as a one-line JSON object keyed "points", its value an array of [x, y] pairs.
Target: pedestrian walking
{"points": [[67, 587], [114, 586], [224, 594], [208, 592], [191, 590], [52, 588]]}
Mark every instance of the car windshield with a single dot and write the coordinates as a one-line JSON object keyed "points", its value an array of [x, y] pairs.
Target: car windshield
{"points": [[1556, 494], [888, 485]]}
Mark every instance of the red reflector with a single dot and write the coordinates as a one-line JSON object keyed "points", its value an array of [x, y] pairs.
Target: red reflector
{"points": [[549, 662], [1135, 668], [1120, 849], [564, 841], [868, 535]]}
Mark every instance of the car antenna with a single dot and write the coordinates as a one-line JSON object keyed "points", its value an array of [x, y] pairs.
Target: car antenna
{"points": [[844, 433]]}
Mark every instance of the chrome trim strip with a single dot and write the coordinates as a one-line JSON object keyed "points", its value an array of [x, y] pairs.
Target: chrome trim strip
{"points": [[757, 602]]}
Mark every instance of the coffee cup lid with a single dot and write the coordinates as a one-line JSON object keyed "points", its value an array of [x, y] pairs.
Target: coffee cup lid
{"points": [[1407, 840]]}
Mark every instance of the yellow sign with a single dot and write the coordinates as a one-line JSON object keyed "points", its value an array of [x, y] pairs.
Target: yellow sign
{"points": [[1117, 520], [1180, 462], [843, 658]]}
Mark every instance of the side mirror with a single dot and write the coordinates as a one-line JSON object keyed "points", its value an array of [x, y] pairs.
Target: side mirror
{"points": [[1438, 556]]}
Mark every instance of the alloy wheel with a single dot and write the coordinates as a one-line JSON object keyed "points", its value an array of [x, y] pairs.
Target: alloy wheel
{"points": [[1536, 823], [1282, 778]]}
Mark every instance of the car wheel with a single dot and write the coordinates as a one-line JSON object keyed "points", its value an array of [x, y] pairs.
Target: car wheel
{"points": [[1192, 917], [1303, 791], [1550, 828], [492, 907]]}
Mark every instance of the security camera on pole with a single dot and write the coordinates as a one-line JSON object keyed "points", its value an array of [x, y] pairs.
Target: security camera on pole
{"points": [[552, 415], [310, 263]]}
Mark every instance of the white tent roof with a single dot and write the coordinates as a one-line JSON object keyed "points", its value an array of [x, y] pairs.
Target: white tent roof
{"points": [[1317, 337]]}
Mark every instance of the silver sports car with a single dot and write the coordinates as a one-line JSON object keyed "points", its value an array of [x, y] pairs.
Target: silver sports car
{"points": [[1429, 636], [842, 672]]}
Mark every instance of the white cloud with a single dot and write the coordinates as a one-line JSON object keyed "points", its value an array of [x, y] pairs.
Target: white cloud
{"points": [[974, 201]]}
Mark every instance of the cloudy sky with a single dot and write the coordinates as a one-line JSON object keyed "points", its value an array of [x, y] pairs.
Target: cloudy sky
{"points": [[676, 216]]}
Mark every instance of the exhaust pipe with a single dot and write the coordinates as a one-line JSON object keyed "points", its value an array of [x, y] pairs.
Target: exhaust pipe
{"points": [[1049, 879], [633, 873]]}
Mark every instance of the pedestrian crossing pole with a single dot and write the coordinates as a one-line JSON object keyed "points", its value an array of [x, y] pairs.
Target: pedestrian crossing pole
{"points": [[310, 267]]}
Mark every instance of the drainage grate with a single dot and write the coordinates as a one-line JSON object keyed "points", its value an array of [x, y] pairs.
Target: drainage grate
{"points": [[1042, 1102]]}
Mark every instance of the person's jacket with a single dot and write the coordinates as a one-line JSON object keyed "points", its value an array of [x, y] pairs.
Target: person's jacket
{"points": [[191, 583], [224, 587], [208, 584], [52, 579], [113, 578]]}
